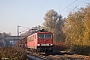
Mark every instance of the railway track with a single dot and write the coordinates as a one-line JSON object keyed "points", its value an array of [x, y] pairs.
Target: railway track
{"points": [[58, 56]]}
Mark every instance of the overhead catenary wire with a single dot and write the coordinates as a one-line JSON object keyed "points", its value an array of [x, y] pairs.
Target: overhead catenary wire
{"points": [[68, 6], [26, 28], [41, 9], [59, 12]]}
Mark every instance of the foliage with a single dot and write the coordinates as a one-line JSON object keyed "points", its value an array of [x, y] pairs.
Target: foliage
{"points": [[54, 23], [81, 49], [12, 53], [77, 30], [73, 27], [60, 46], [86, 33], [2, 35], [50, 20]]}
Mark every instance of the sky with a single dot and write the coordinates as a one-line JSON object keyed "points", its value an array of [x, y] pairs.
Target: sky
{"points": [[31, 13]]}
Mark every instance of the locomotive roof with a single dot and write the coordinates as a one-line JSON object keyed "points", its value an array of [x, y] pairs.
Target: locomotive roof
{"points": [[39, 32], [43, 32]]}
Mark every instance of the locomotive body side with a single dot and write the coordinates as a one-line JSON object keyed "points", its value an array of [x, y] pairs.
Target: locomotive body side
{"points": [[32, 41]]}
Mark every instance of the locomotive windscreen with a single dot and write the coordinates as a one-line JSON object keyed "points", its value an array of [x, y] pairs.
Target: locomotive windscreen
{"points": [[48, 36], [41, 36], [44, 36]]}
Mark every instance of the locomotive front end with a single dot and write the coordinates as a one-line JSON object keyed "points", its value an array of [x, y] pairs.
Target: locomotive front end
{"points": [[45, 41]]}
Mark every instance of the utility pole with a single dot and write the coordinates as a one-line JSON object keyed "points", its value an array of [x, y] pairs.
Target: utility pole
{"points": [[18, 31]]}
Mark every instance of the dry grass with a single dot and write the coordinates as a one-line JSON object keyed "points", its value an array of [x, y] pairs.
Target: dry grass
{"points": [[12, 53]]}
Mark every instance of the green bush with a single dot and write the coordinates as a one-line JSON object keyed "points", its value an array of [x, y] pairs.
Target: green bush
{"points": [[81, 49]]}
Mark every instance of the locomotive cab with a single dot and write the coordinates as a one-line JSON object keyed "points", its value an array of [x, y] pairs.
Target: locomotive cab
{"points": [[45, 41]]}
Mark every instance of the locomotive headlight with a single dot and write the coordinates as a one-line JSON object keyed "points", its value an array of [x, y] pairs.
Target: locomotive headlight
{"points": [[38, 44], [51, 44]]}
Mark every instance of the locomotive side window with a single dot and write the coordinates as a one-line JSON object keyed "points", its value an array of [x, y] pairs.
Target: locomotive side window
{"points": [[41, 36], [35, 36], [31, 38], [48, 35]]}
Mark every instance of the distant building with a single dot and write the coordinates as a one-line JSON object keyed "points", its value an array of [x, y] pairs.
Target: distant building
{"points": [[2, 42], [11, 40]]}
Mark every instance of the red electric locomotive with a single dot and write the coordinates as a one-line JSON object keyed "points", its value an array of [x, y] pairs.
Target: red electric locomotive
{"points": [[40, 41]]}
